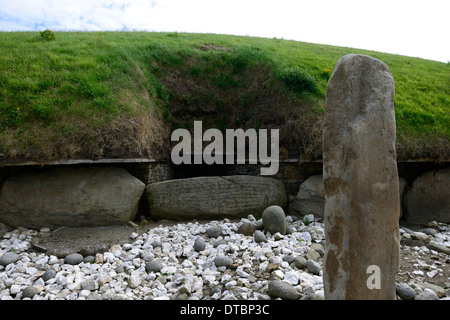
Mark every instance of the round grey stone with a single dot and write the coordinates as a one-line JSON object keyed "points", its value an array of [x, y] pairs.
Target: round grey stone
{"points": [[312, 254], [247, 228], [29, 292], [199, 244], [283, 290], [223, 261], [404, 291], [214, 232], [153, 266], [89, 259], [313, 267], [259, 236], [9, 257], [60, 252], [288, 258], [427, 295], [73, 259], [300, 262], [317, 247], [49, 274], [274, 220], [93, 250]]}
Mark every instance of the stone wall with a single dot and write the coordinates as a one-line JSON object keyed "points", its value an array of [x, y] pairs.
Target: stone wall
{"points": [[292, 173]]}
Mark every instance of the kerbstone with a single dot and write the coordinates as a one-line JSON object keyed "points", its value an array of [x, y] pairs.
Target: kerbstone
{"points": [[214, 197], [428, 198], [70, 197]]}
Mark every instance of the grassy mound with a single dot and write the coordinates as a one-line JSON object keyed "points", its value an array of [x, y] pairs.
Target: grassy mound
{"points": [[91, 95]]}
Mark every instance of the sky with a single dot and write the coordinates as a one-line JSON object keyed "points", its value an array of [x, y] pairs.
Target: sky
{"points": [[407, 27]]}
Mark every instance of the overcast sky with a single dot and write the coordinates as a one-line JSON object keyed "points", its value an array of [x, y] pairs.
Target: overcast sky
{"points": [[408, 27]]}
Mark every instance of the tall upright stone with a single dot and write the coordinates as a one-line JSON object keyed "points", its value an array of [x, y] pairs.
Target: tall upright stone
{"points": [[362, 204]]}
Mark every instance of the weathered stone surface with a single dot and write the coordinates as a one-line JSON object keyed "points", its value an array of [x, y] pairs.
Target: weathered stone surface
{"points": [[361, 180], [428, 198], [310, 198], [214, 197], [71, 197]]}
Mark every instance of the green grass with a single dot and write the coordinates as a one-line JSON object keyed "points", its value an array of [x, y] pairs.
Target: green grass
{"points": [[118, 94]]}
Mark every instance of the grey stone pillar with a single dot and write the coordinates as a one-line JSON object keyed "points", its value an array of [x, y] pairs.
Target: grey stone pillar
{"points": [[362, 203]]}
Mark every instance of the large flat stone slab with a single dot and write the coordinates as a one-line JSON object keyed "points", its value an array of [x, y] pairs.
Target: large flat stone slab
{"points": [[70, 197], [214, 197]]}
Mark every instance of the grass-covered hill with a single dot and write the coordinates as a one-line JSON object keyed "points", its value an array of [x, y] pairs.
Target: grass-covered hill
{"points": [[91, 95]]}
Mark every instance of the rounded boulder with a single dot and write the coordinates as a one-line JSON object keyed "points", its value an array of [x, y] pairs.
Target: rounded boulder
{"points": [[274, 220]]}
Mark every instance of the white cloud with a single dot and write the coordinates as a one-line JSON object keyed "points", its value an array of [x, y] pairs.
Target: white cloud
{"points": [[409, 27], [79, 14]]}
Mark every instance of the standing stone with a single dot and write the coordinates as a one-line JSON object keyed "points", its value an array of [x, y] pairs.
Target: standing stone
{"points": [[361, 181]]}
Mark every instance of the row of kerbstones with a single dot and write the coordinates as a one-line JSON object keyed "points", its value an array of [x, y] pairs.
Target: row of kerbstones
{"points": [[98, 196], [426, 199]]}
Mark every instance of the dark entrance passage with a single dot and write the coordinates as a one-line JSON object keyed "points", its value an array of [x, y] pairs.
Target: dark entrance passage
{"points": [[200, 170]]}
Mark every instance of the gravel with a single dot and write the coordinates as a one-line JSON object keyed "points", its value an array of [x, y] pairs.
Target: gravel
{"points": [[200, 261]]}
